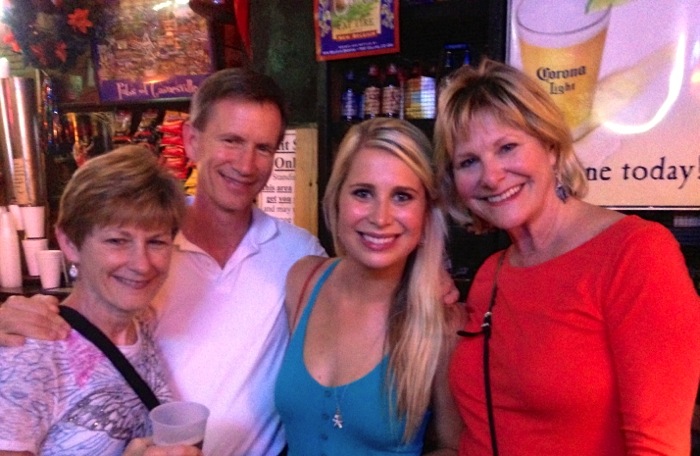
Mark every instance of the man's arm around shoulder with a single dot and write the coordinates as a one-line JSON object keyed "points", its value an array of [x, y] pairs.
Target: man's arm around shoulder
{"points": [[36, 317]]}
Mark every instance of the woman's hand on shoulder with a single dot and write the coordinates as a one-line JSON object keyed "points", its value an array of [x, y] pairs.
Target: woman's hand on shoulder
{"points": [[450, 292], [36, 317]]}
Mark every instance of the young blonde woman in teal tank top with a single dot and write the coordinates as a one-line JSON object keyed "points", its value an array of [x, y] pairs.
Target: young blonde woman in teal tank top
{"points": [[365, 372]]}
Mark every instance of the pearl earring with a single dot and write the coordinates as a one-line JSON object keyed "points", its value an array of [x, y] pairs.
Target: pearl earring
{"points": [[73, 271]]}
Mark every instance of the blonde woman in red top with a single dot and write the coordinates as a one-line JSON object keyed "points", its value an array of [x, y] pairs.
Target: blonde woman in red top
{"points": [[591, 340]]}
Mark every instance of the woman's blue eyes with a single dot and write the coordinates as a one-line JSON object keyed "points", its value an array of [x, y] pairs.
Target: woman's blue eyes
{"points": [[466, 163], [124, 241], [361, 193], [469, 161], [398, 196]]}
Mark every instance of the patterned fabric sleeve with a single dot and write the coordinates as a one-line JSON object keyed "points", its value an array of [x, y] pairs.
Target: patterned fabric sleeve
{"points": [[150, 364], [27, 386]]}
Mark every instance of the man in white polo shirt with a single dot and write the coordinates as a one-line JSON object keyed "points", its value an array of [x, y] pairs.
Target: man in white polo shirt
{"points": [[222, 326]]}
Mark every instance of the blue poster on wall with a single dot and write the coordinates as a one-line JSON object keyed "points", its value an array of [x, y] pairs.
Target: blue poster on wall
{"points": [[355, 28]]}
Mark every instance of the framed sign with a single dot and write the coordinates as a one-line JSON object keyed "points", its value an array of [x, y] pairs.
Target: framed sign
{"points": [[627, 79], [153, 50], [291, 193], [355, 28]]}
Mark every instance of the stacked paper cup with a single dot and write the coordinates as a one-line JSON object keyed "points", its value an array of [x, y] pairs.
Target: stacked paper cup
{"points": [[10, 262], [29, 220], [33, 222]]}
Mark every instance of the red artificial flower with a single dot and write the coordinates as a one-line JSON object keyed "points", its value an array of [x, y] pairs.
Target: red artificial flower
{"points": [[61, 51], [79, 20], [38, 52], [10, 40]]}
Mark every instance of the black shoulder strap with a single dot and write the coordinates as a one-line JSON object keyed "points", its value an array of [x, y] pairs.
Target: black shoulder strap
{"points": [[97, 337]]}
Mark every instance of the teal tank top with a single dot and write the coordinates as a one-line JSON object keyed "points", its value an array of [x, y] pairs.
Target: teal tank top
{"points": [[369, 422]]}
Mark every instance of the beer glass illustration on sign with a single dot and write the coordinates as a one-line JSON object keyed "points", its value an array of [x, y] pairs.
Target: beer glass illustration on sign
{"points": [[561, 46]]}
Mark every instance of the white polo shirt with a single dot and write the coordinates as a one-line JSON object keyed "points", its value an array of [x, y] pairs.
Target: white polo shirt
{"points": [[223, 333]]}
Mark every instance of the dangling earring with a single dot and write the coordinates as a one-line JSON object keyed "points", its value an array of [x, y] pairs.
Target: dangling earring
{"points": [[561, 191], [73, 271]]}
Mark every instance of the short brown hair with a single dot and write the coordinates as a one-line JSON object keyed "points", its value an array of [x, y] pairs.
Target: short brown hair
{"points": [[236, 84], [126, 186]]}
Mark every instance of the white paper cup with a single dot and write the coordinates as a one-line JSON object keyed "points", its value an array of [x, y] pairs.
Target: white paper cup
{"points": [[33, 219], [30, 247], [179, 423], [50, 263]]}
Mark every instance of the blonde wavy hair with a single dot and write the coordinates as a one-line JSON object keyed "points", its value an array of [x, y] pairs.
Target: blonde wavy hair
{"points": [[416, 321], [509, 95]]}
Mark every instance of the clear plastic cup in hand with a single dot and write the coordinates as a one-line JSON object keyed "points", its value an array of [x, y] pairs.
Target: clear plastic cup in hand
{"points": [[179, 423]]}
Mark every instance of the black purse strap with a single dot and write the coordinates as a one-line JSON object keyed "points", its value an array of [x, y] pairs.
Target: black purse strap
{"points": [[98, 338], [486, 331], [486, 325]]}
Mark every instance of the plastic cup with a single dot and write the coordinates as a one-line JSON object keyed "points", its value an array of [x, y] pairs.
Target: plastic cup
{"points": [[33, 219], [50, 263], [179, 423], [30, 248]]}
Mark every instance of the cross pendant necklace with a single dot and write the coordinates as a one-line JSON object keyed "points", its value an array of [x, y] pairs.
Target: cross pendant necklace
{"points": [[337, 418]]}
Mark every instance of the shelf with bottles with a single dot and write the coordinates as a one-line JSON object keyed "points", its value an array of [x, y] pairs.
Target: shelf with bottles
{"points": [[433, 38], [392, 86]]}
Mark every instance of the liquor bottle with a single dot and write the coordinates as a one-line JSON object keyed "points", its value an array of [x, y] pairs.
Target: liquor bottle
{"points": [[447, 66], [372, 93], [349, 109], [466, 57], [419, 98], [454, 55], [412, 106], [392, 94]]}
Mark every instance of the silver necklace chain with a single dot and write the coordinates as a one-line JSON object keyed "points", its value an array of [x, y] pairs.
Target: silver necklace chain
{"points": [[337, 419]]}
